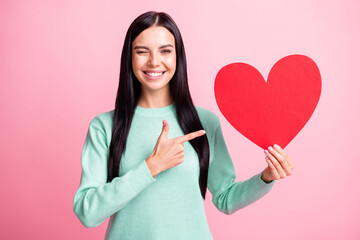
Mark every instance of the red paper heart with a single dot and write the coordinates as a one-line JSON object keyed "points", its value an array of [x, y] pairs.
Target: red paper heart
{"points": [[274, 111]]}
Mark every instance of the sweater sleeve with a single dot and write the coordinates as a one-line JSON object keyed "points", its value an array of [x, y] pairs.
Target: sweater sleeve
{"points": [[95, 200], [229, 195]]}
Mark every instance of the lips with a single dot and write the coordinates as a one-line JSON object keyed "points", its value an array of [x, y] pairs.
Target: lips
{"points": [[155, 77], [147, 72], [157, 72]]}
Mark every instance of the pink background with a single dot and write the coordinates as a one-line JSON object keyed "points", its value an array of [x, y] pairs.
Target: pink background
{"points": [[59, 68]]}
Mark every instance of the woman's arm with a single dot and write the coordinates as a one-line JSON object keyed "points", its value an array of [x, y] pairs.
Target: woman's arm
{"points": [[96, 200], [229, 195]]}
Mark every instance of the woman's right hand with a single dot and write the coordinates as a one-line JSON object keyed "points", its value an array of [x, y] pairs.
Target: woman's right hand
{"points": [[168, 153]]}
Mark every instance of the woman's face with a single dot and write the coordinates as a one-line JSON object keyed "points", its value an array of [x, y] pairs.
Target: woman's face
{"points": [[154, 58]]}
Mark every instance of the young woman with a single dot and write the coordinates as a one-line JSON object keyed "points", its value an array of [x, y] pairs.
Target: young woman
{"points": [[147, 163]]}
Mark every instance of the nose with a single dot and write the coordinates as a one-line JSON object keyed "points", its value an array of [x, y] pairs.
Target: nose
{"points": [[153, 60]]}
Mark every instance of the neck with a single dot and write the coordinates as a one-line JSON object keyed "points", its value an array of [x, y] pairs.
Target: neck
{"points": [[155, 100]]}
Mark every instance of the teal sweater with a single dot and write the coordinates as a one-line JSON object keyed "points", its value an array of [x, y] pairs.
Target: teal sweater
{"points": [[170, 205]]}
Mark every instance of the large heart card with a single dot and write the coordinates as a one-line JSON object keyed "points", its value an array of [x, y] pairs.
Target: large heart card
{"points": [[273, 111]]}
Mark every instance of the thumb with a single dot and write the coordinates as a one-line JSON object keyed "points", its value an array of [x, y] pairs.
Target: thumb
{"points": [[165, 129]]}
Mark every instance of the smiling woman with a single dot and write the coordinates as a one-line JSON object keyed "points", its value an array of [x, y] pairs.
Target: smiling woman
{"points": [[147, 164], [154, 64]]}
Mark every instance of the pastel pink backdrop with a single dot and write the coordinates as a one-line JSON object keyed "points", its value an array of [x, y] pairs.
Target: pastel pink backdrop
{"points": [[59, 68]]}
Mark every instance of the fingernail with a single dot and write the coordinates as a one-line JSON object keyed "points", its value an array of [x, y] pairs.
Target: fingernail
{"points": [[277, 146], [203, 131], [271, 148]]}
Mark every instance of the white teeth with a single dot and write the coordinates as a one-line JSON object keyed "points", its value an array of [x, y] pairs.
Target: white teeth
{"points": [[154, 74]]}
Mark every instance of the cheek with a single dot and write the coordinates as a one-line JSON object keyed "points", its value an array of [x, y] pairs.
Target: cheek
{"points": [[136, 63], [171, 62]]}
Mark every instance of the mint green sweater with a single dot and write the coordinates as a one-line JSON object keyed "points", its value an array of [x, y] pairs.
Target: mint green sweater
{"points": [[170, 205]]}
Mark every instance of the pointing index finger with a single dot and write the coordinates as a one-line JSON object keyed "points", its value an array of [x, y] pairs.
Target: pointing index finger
{"points": [[190, 136]]}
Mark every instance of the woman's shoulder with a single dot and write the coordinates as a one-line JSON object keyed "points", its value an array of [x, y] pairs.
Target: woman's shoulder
{"points": [[103, 121], [207, 117]]}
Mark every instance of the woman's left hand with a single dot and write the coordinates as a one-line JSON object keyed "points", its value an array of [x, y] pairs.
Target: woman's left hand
{"points": [[279, 164]]}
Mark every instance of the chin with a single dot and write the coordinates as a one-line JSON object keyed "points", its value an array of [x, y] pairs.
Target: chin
{"points": [[155, 87]]}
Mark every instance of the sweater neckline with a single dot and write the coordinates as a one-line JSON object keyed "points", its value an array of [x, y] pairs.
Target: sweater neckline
{"points": [[156, 112]]}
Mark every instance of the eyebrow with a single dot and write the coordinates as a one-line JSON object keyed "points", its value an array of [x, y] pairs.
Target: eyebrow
{"points": [[162, 46]]}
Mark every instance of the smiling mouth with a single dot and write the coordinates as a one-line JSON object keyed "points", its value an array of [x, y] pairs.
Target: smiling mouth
{"points": [[154, 74]]}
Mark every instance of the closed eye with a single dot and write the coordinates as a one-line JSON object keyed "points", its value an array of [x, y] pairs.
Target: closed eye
{"points": [[164, 51]]}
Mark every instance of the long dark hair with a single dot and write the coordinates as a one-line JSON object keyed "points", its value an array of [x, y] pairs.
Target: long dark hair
{"points": [[129, 92]]}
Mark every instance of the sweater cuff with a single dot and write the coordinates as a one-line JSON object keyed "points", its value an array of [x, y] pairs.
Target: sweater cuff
{"points": [[260, 184], [263, 180]]}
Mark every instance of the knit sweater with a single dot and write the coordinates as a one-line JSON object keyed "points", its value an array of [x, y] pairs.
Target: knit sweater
{"points": [[169, 205]]}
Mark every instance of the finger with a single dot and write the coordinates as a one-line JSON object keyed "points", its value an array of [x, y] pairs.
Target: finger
{"points": [[284, 154], [165, 129], [190, 136], [179, 155], [272, 168], [281, 159], [277, 165], [291, 165], [280, 150]]}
